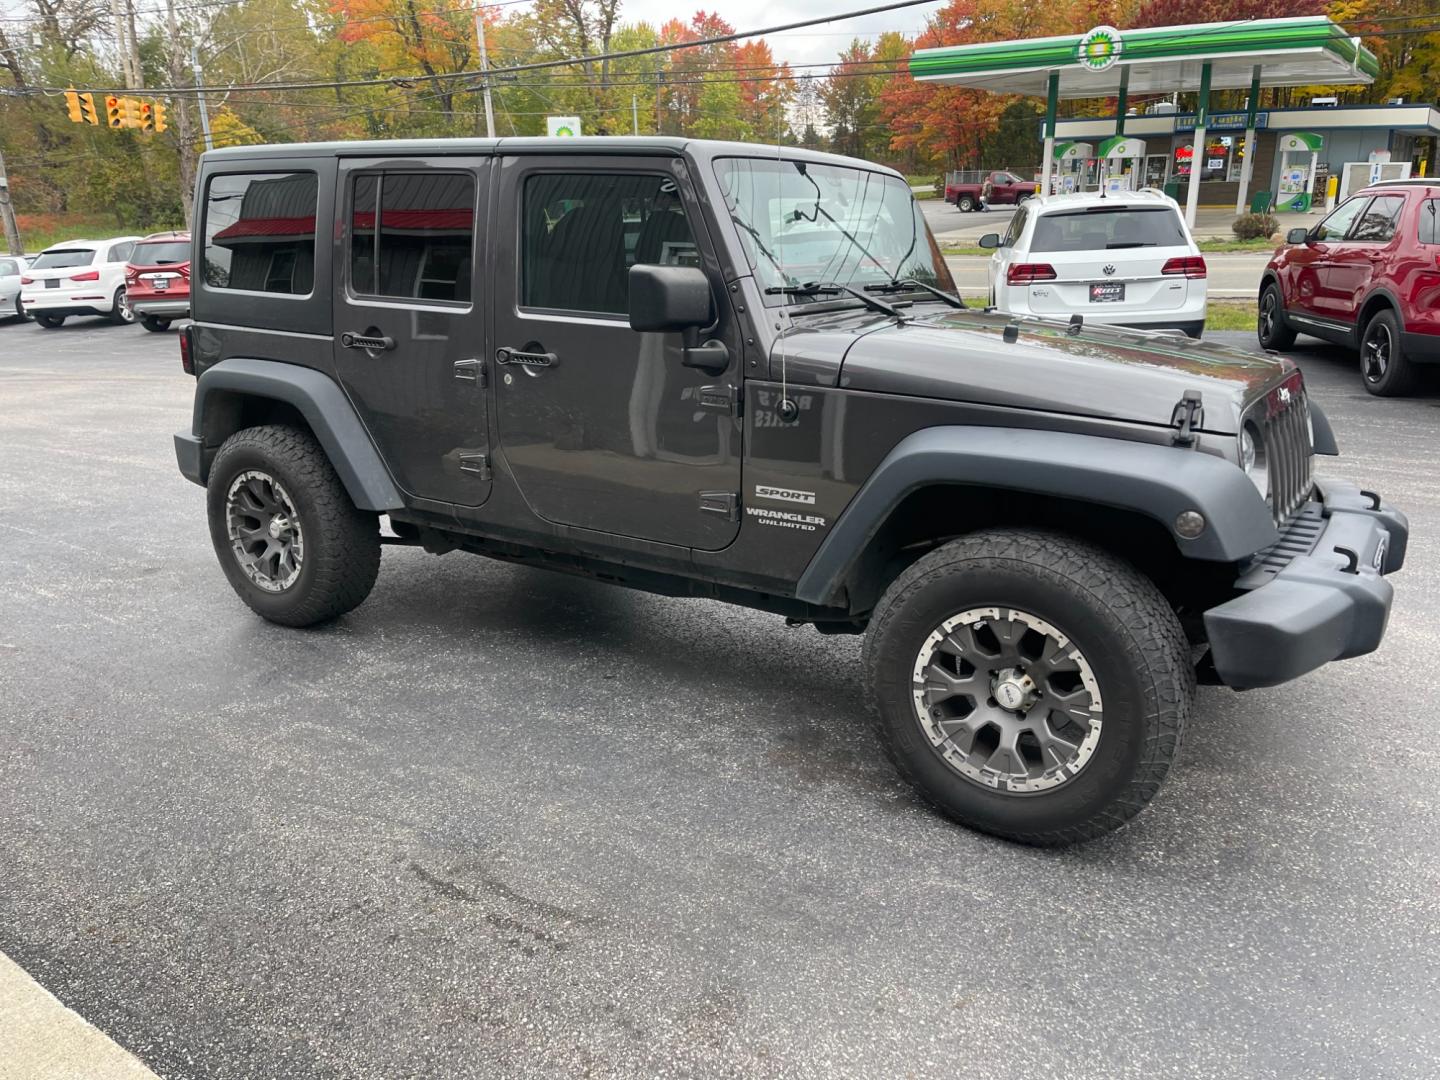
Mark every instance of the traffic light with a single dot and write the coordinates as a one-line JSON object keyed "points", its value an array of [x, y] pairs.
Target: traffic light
{"points": [[147, 116], [72, 106], [160, 124], [130, 112], [114, 114]]}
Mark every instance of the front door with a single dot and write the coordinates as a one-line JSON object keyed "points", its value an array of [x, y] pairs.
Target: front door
{"points": [[1309, 263], [603, 428], [409, 335], [1357, 262]]}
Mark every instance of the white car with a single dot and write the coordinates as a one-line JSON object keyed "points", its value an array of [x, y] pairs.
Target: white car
{"points": [[1122, 259], [78, 277], [11, 268]]}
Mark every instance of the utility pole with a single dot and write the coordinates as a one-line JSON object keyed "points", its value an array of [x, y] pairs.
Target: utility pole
{"points": [[200, 97], [635, 113], [7, 212], [185, 135], [484, 73]]}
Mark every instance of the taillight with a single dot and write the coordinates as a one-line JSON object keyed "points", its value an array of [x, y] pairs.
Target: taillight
{"points": [[89, 275], [1191, 266], [132, 276], [186, 362], [27, 281], [185, 271], [1025, 273]]}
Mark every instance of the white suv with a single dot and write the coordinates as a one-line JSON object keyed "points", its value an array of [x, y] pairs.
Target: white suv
{"points": [[1124, 259], [78, 277]]}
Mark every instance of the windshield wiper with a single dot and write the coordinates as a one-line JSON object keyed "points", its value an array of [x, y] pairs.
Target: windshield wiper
{"points": [[904, 284], [1128, 244], [818, 288]]}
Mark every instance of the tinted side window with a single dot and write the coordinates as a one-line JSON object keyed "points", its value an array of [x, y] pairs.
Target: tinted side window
{"points": [[1377, 224], [412, 235], [1429, 231], [1017, 226], [8, 266], [582, 233], [121, 252], [1335, 226], [260, 232]]}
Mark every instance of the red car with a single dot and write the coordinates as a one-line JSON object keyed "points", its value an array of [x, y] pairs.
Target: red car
{"points": [[966, 189], [1367, 276], [157, 280]]}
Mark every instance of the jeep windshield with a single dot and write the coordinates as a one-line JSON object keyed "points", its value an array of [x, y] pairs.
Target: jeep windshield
{"points": [[801, 222]]}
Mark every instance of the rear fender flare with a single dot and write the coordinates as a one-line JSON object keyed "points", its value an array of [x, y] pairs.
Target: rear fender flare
{"points": [[327, 410], [1157, 481]]}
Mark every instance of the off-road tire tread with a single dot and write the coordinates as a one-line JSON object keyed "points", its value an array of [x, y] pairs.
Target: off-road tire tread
{"points": [[348, 548], [1100, 579]]}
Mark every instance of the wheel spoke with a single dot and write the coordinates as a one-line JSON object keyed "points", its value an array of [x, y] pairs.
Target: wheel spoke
{"points": [[1073, 706], [1006, 757], [961, 642], [1059, 751], [1008, 633], [941, 685], [960, 732], [1053, 658]]}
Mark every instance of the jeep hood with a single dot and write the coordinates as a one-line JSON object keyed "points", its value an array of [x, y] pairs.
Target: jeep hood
{"points": [[1106, 372]]}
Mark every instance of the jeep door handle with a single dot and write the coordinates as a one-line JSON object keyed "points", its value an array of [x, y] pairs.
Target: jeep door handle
{"points": [[525, 359], [351, 340]]}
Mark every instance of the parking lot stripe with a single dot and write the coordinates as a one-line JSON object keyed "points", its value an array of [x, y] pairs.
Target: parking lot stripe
{"points": [[40, 1039]]}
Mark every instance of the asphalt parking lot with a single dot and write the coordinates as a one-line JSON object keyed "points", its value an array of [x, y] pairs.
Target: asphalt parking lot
{"points": [[499, 822]]}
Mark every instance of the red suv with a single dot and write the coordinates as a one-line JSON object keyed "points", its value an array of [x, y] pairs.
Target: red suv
{"points": [[1367, 276], [157, 279]]}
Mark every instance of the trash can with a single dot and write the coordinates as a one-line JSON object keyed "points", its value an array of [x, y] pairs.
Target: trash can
{"points": [[1172, 189], [1260, 204]]}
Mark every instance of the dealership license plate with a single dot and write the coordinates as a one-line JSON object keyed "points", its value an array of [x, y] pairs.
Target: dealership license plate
{"points": [[160, 284], [53, 283], [1107, 292]]}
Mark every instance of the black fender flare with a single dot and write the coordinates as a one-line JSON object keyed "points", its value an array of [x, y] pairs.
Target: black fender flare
{"points": [[326, 409], [1157, 481]]}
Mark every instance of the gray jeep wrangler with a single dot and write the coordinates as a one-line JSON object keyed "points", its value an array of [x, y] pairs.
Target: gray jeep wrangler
{"points": [[738, 372]]}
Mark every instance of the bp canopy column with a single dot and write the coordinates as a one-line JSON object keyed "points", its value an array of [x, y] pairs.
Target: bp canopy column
{"points": [[1052, 100], [1247, 166], [1202, 118]]}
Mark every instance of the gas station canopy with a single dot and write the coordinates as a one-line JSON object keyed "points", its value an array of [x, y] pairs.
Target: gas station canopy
{"points": [[1309, 51]]}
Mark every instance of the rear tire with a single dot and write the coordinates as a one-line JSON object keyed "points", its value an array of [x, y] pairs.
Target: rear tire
{"points": [[50, 322], [1385, 368], [966, 203], [272, 491], [154, 324], [120, 313], [1271, 329], [1087, 745]]}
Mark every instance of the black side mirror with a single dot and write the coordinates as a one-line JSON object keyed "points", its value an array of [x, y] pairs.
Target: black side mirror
{"points": [[677, 299], [990, 240], [1297, 236]]}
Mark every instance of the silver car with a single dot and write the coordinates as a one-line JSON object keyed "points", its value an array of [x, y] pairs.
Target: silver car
{"points": [[11, 267]]}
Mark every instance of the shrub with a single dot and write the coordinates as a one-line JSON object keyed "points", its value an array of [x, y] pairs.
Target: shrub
{"points": [[1255, 226]]}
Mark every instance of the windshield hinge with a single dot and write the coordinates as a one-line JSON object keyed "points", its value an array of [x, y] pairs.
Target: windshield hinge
{"points": [[724, 503], [1187, 417]]}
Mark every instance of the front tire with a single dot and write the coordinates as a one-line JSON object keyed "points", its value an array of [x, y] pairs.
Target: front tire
{"points": [[154, 324], [1029, 685], [1271, 329], [50, 322], [292, 544], [966, 203], [1386, 369]]}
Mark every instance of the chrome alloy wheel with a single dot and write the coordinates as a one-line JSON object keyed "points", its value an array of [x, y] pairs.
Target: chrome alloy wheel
{"points": [[1007, 700], [123, 311], [1375, 352], [264, 530]]}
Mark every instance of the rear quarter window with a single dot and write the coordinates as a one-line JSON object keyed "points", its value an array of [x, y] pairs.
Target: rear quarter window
{"points": [[260, 232], [1429, 230], [1102, 229]]}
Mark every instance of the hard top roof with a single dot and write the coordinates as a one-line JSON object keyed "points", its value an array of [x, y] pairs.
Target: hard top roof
{"points": [[655, 145], [1081, 200]]}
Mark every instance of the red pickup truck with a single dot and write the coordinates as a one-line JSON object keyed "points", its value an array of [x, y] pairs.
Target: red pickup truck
{"points": [[963, 188]]}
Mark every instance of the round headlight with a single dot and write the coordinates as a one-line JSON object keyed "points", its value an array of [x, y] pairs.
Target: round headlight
{"points": [[1252, 458]]}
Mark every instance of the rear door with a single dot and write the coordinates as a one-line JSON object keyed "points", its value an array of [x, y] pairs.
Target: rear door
{"points": [[1110, 259], [409, 335]]}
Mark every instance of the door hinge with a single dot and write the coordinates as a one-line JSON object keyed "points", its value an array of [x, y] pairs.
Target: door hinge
{"points": [[471, 371], [724, 503], [479, 464], [721, 398]]}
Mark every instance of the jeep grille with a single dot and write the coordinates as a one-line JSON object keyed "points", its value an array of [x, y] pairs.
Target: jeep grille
{"points": [[1288, 453]]}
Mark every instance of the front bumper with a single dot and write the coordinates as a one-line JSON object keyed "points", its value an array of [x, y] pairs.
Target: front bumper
{"points": [[1316, 596]]}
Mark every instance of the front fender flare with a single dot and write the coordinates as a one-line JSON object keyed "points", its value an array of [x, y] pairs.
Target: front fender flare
{"points": [[1157, 481], [326, 409]]}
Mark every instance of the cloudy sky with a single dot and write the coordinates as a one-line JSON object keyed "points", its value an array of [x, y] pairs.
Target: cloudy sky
{"points": [[814, 44]]}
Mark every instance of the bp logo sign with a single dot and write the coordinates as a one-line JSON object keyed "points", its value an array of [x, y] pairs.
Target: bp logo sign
{"points": [[1099, 48]]}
